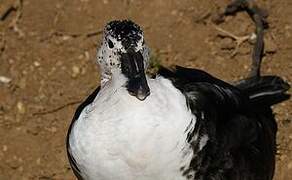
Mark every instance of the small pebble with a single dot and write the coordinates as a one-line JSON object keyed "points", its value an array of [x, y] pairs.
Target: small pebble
{"points": [[38, 161], [65, 38], [174, 12], [20, 107], [76, 71], [5, 148], [87, 56], [11, 61], [5, 80], [252, 38], [53, 129], [245, 67], [36, 64]]}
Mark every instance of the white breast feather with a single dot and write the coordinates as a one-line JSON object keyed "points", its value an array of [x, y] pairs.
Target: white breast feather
{"points": [[121, 137]]}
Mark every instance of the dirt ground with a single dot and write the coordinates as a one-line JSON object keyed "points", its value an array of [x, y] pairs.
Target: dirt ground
{"points": [[47, 67]]}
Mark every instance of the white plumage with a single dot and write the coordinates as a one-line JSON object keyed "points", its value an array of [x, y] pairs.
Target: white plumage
{"points": [[121, 137]]}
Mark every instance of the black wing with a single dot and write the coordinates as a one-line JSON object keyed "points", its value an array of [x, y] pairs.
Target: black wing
{"points": [[80, 108], [241, 134]]}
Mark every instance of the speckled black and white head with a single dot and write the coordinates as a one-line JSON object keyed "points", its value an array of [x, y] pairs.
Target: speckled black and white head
{"points": [[124, 50]]}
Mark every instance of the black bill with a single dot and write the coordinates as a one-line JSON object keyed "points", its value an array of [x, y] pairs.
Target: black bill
{"points": [[133, 68]]}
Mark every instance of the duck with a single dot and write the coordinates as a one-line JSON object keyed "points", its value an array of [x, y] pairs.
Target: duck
{"points": [[181, 124]]}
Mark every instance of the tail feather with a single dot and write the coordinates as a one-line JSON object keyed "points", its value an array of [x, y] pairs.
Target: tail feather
{"points": [[265, 90]]}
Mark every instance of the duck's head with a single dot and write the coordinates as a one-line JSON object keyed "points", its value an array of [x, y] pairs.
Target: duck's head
{"points": [[124, 51]]}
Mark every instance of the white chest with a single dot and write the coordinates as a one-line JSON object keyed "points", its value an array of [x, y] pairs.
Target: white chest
{"points": [[120, 137]]}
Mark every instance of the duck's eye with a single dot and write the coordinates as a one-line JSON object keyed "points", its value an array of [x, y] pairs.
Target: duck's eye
{"points": [[110, 44]]}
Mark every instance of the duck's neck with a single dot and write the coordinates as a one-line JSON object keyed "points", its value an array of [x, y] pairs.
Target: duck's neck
{"points": [[115, 78]]}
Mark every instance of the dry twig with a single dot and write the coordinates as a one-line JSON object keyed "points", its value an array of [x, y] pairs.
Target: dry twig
{"points": [[72, 35], [239, 40], [18, 7], [7, 12], [57, 108], [2, 43]]}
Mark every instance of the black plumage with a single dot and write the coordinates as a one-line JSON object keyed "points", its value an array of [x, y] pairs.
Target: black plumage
{"points": [[238, 121]]}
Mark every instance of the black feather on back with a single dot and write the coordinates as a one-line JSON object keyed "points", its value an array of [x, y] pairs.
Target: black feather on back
{"points": [[241, 134]]}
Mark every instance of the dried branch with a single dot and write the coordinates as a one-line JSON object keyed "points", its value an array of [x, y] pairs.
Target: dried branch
{"points": [[57, 108], [18, 7]]}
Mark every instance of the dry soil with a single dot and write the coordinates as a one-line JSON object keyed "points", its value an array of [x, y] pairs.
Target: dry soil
{"points": [[48, 66]]}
